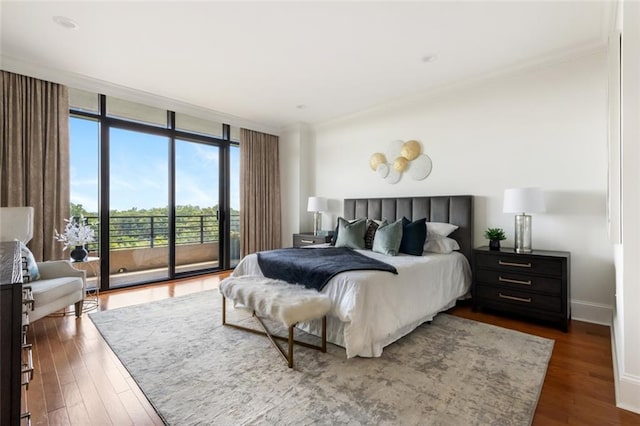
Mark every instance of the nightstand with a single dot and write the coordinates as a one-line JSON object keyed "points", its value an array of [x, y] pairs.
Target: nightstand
{"points": [[535, 284], [307, 239]]}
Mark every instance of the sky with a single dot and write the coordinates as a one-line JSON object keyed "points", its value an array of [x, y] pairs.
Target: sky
{"points": [[139, 170]]}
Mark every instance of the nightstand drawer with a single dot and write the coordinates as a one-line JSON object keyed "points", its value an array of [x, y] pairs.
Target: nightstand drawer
{"points": [[515, 281], [522, 264], [519, 298], [300, 240]]}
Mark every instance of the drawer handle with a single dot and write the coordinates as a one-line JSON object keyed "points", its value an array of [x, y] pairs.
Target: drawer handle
{"points": [[307, 241], [521, 265], [519, 299], [509, 280]]}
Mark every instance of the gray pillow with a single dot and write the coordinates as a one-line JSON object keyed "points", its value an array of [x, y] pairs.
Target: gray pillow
{"points": [[351, 234], [387, 239]]}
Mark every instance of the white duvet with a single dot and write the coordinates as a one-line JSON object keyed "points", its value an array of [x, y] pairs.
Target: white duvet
{"points": [[372, 309]]}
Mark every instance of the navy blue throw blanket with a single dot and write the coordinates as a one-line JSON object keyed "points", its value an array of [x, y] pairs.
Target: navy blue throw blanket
{"points": [[314, 267]]}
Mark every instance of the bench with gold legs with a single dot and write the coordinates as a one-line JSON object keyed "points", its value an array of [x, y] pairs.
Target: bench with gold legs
{"points": [[279, 301]]}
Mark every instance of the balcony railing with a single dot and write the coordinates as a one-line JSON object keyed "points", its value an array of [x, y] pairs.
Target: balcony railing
{"points": [[145, 231]]}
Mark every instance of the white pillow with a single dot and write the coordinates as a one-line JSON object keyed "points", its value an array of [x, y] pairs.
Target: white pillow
{"points": [[442, 245], [439, 230]]}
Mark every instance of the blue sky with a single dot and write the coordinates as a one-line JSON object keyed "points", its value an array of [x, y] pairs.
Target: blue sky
{"points": [[139, 170]]}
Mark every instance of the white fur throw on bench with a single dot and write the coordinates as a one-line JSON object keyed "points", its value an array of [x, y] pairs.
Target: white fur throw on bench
{"points": [[275, 299]]}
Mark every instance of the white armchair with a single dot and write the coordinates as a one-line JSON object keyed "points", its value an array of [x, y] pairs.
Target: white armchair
{"points": [[60, 284]]}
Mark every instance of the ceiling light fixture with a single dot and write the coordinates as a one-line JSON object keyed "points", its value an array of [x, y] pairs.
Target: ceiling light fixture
{"points": [[429, 58], [65, 22]]}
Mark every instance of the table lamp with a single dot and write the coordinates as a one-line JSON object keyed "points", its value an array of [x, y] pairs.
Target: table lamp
{"points": [[317, 205], [521, 200]]}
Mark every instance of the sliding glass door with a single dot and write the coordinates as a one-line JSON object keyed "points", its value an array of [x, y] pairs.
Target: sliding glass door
{"points": [[138, 201], [163, 186], [197, 185]]}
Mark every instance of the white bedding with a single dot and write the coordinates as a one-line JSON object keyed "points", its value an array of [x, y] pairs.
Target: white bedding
{"points": [[372, 309]]}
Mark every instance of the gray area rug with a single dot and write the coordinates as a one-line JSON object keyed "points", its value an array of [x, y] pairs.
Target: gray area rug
{"points": [[450, 372]]}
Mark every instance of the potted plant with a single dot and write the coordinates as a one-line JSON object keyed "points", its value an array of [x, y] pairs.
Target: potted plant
{"points": [[494, 235], [77, 233]]}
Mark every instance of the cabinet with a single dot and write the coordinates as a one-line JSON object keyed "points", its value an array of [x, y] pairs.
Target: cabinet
{"points": [[303, 239], [535, 285], [16, 363]]}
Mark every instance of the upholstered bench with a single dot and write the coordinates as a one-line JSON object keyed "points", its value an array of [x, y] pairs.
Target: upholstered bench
{"points": [[279, 301]]}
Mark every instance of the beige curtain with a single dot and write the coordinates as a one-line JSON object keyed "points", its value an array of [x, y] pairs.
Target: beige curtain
{"points": [[259, 192], [34, 155]]}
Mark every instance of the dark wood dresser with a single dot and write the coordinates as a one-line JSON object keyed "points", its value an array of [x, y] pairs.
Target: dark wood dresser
{"points": [[15, 360], [300, 240], [535, 285]]}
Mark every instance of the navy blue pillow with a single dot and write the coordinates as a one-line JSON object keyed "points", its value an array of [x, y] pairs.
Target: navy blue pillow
{"points": [[414, 234]]}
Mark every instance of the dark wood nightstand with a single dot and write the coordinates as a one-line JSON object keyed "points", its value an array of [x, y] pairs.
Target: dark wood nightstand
{"points": [[535, 284], [306, 239]]}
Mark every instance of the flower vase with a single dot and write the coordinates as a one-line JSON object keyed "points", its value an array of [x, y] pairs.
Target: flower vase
{"points": [[79, 254], [494, 244]]}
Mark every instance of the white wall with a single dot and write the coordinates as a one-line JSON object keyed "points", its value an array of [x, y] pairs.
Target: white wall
{"points": [[542, 127], [296, 181], [627, 321]]}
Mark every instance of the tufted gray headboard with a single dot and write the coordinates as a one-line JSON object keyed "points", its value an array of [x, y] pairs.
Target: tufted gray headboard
{"points": [[455, 209]]}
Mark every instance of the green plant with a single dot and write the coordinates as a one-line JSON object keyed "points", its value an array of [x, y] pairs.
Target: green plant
{"points": [[494, 234]]}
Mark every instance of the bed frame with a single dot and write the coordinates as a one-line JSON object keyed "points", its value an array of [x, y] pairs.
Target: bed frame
{"points": [[454, 209]]}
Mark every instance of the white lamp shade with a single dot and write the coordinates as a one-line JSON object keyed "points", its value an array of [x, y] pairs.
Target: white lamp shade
{"points": [[317, 204], [523, 200], [16, 223]]}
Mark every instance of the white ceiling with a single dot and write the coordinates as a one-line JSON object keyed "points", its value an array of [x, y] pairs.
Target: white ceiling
{"points": [[258, 61]]}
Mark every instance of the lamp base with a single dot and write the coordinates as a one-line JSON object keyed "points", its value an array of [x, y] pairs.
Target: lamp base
{"points": [[523, 234], [522, 250], [317, 223]]}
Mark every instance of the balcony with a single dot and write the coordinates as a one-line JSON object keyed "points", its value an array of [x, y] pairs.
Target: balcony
{"points": [[139, 248]]}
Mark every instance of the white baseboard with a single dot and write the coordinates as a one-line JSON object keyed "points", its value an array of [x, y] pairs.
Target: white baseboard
{"points": [[628, 395], [627, 386], [596, 313]]}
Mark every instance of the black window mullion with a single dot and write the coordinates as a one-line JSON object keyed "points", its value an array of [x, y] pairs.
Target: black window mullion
{"points": [[103, 195], [172, 194], [224, 201]]}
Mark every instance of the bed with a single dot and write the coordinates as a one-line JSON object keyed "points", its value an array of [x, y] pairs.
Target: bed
{"points": [[372, 309]]}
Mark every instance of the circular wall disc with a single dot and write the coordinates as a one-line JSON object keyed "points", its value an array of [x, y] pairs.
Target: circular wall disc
{"points": [[410, 150], [400, 164], [420, 168], [394, 149], [376, 159], [393, 176], [383, 170]]}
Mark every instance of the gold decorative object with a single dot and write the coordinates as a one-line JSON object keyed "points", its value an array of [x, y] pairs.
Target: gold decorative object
{"points": [[376, 159], [408, 160], [410, 150], [400, 164]]}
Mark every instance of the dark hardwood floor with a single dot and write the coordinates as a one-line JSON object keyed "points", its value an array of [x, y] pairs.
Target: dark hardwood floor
{"points": [[79, 380]]}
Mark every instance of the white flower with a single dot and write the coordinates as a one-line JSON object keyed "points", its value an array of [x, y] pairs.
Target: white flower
{"points": [[76, 233]]}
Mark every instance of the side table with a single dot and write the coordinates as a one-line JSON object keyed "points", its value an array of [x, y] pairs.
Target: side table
{"points": [[91, 299], [535, 284], [305, 239]]}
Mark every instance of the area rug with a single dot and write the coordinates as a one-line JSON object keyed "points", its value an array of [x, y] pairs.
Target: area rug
{"points": [[453, 371]]}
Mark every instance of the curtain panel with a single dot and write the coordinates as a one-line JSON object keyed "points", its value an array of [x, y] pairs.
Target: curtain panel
{"points": [[34, 155], [260, 218]]}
